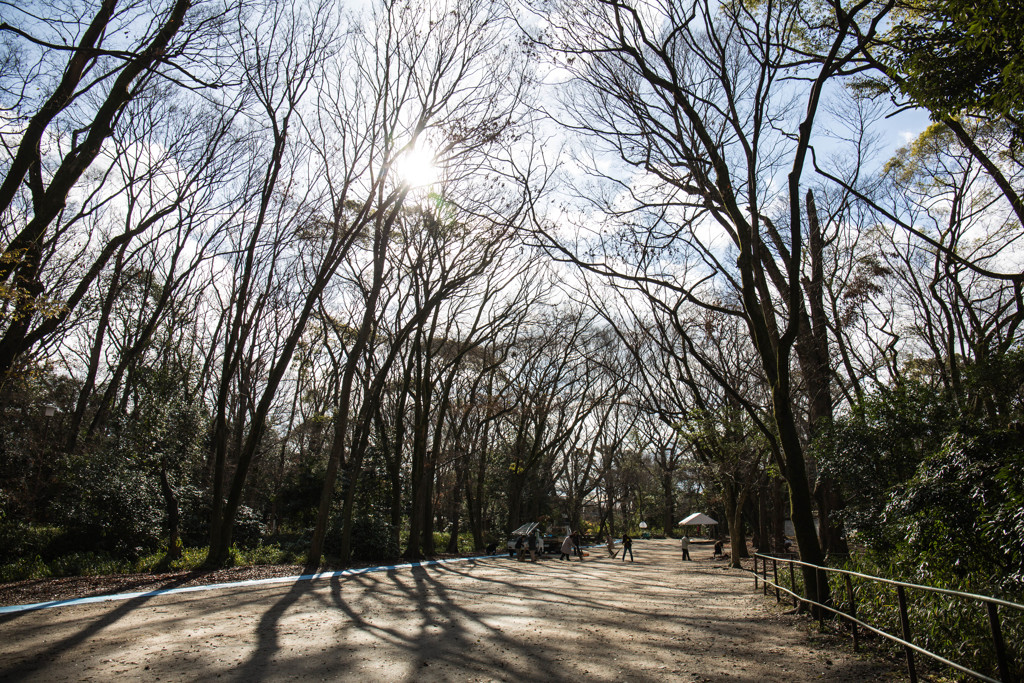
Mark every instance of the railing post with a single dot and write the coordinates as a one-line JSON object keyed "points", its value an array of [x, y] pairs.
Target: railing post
{"points": [[1000, 646], [792, 583], [853, 611], [755, 571], [764, 575], [775, 575], [901, 596], [822, 577]]}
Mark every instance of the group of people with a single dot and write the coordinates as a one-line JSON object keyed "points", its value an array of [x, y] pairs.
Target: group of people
{"points": [[532, 541], [529, 542], [571, 546], [572, 541]]}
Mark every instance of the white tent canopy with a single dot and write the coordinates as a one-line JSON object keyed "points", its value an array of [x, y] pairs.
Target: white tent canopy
{"points": [[697, 518]]}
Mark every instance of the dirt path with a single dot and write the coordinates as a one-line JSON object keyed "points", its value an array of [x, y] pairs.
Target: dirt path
{"points": [[656, 619]]}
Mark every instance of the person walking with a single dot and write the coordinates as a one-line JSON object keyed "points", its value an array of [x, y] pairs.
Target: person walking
{"points": [[627, 547], [532, 544], [566, 548], [686, 547], [520, 548]]}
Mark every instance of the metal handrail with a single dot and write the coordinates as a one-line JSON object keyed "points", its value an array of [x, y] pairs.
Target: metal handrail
{"points": [[881, 579], [909, 647]]}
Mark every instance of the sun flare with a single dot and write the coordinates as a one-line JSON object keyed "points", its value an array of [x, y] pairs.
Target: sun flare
{"points": [[416, 167]]}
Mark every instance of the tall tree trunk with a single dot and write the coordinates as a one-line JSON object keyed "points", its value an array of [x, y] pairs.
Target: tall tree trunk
{"points": [[173, 516], [668, 492], [475, 488], [418, 469], [735, 499], [462, 476], [430, 479], [813, 351], [762, 535]]}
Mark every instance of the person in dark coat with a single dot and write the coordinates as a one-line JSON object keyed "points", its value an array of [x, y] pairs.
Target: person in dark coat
{"points": [[627, 547], [576, 545]]}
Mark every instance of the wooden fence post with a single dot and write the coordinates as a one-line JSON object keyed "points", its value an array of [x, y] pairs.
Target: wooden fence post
{"points": [[792, 583], [853, 611]]}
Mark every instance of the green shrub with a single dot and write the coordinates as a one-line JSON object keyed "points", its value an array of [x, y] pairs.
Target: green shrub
{"points": [[373, 540], [88, 564], [298, 499], [72, 564], [249, 528], [465, 542], [194, 505], [194, 509], [268, 555], [191, 558], [112, 505], [952, 627], [24, 568], [294, 544], [18, 541]]}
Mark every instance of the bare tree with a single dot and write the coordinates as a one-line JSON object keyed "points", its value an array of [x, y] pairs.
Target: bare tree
{"points": [[698, 99], [110, 64], [426, 87]]}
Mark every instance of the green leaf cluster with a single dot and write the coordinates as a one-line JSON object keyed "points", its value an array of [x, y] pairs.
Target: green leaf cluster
{"points": [[933, 487], [956, 56]]}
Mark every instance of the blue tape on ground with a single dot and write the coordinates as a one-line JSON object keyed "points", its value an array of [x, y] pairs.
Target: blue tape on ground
{"points": [[234, 584]]}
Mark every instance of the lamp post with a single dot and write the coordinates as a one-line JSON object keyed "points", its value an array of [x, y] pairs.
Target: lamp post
{"points": [[48, 410]]}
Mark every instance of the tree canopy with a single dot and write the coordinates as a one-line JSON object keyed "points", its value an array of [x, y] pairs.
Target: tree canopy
{"points": [[281, 280]]}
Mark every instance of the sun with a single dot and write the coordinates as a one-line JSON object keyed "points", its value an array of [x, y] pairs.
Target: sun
{"points": [[416, 167]]}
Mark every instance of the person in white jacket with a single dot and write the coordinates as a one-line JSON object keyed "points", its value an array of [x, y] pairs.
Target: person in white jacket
{"points": [[686, 547]]}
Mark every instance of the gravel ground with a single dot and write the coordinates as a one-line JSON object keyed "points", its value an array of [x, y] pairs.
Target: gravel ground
{"points": [[655, 619]]}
